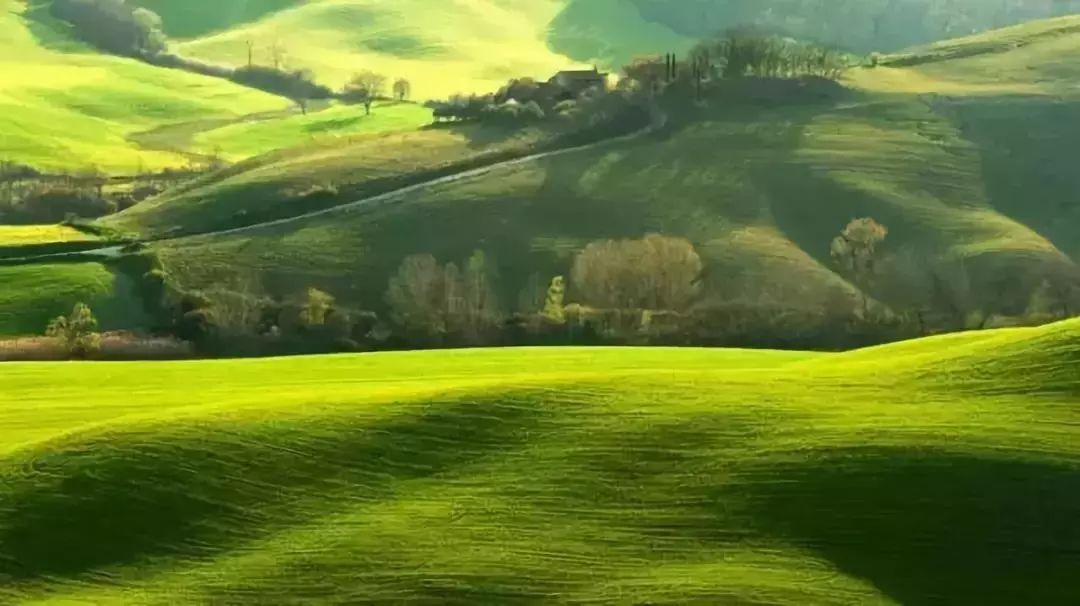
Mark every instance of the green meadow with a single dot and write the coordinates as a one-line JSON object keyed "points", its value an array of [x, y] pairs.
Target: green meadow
{"points": [[32, 295], [942, 470]]}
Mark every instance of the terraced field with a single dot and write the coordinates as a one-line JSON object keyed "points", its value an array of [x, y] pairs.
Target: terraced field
{"points": [[946, 469]]}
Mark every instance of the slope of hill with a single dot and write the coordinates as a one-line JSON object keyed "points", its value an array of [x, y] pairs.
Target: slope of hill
{"points": [[441, 48], [32, 295], [325, 173], [66, 107], [761, 190], [628, 27], [939, 470]]}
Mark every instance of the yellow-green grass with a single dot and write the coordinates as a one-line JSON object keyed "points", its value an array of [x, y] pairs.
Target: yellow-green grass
{"points": [[246, 139], [66, 107], [441, 48], [611, 33], [329, 170], [32, 295], [944, 470], [1036, 58], [22, 235]]}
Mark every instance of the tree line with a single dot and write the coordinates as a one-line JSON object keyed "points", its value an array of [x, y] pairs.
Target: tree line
{"points": [[738, 53], [656, 289]]}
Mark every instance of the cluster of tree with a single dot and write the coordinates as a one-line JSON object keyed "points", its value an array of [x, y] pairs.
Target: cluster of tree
{"points": [[114, 25], [654, 273], [367, 86], [745, 52], [298, 85], [56, 199], [525, 101], [485, 108], [642, 291], [431, 302], [28, 197], [739, 53], [77, 333]]}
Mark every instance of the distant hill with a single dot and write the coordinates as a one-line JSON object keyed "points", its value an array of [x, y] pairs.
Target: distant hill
{"points": [[618, 29]]}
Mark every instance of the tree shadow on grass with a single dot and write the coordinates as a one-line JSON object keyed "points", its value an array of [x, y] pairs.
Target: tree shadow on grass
{"points": [[128, 498], [934, 528]]}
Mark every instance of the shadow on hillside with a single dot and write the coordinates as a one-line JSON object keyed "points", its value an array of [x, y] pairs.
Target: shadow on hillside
{"points": [[479, 136], [934, 528], [810, 206], [49, 32], [1028, 147], [203, 489]]}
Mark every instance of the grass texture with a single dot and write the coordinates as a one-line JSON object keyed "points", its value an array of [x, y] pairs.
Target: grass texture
{"points": [[943, 470]]}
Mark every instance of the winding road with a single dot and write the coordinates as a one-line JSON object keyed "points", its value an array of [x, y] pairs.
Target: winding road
{"points": [[658, 120]]}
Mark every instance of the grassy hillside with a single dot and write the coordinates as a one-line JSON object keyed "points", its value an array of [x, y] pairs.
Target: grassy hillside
{"points": [[328, 171], [32, 295], [628, 27], [760, 180], [939, 470], [65, 107], [199, 17], [441, 48]]}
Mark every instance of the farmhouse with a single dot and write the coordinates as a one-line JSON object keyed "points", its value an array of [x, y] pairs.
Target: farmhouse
{"points": [[569, 84]]}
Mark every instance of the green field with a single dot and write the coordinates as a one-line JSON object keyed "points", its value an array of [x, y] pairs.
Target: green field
{"points": [[441, 48], [32, 295], [244, 140], [331, 169], [66, 107], [945, 470], [22, 235]]}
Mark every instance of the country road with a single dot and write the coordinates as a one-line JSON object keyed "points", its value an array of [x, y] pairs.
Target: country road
{"points": [[657, 122]]}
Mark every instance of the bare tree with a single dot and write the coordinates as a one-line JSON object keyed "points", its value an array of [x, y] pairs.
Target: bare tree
{"points": [[365, 87], [656, 272], [417, 296], [482, 311], [278, 53], [402, 89], [855, 250]]}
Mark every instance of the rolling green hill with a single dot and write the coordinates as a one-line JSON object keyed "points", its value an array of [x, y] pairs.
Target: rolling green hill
{"points": [[441, 48], [66, 107], [326, 172], [32, 295], [946, 469], [619, 29], [976, 174]]}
